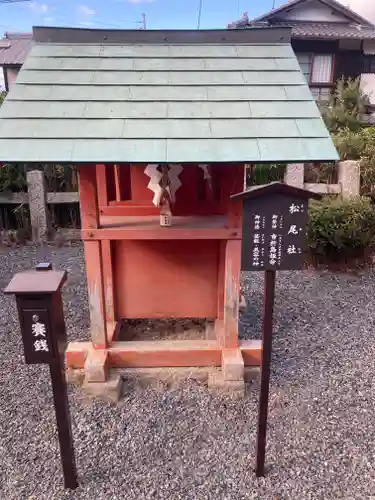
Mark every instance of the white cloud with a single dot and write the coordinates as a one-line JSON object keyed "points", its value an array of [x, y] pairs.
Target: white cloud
{"points": [[39, 8], [86, 11], [48, 19], [140, 1]]}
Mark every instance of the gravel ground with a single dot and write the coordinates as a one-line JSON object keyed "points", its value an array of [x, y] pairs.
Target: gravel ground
{"points": [[185, 443]]}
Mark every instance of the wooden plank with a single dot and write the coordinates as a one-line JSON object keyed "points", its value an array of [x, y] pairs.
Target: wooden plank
{"points": [[76, 354], [94, 273], [88, 197], [58, 198], [232, 293], [166, 279], [108, 283], [14, 198], [163, 233], [221, 281], [164, 353], [128, 210], [117, 182], [101, 180], [251, 351]]}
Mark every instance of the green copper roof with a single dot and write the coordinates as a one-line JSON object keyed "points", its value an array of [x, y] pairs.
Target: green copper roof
{"points": [[217, 96]]}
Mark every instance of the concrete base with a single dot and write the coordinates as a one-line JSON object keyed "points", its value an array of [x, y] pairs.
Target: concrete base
{"points": [[165, 378], [233, 388], [75, 376], [111, 389], [232, 365]]}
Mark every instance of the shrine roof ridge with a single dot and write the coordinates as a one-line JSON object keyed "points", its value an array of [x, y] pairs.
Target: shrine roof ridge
{"points": [[43, 34]]}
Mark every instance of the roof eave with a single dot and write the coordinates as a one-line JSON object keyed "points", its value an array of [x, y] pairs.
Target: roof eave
{"points": [[272, 34], [330, 3]]}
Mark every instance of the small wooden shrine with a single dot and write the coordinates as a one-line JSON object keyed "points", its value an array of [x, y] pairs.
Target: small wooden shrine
{"points": [[161, 125]]}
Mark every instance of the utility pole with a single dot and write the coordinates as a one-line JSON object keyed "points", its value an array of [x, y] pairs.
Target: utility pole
{"points": [[199, 14], [144, 21]]}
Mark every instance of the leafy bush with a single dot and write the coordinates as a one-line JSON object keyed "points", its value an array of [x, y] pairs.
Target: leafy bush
{"points": [[341, 228], [13, 178], [346, 106], [360, 146]]}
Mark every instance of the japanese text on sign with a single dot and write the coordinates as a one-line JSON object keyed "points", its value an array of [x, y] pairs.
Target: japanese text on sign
{"points": [[276, 236], [39, 330]]}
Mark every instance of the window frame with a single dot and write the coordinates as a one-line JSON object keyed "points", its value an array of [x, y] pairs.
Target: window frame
{"points": [[333, 65]]}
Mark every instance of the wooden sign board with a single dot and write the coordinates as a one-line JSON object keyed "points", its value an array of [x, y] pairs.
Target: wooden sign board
{"points": [[275, 219], [36, 334]]}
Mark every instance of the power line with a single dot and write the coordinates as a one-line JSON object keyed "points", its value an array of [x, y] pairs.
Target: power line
{"points": [[13, 1]]}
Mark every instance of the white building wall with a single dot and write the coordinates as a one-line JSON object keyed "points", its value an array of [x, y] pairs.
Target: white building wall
{"points": [[314, 11], [368, 79]]}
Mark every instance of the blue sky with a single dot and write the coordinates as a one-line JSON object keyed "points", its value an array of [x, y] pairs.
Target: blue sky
{"points": [[177, 14]]}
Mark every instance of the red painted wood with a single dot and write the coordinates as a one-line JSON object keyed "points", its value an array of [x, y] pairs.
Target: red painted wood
{"points": [[94, 272], [172, 278], [88, 197], [101, 180]]}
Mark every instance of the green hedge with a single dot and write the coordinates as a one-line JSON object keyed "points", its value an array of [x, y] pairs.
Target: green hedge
{"points": [[340, 228]]}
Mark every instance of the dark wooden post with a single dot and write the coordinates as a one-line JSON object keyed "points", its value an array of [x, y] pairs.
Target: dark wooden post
{"points": [[269, 296], [40, 309], [274, 227]]}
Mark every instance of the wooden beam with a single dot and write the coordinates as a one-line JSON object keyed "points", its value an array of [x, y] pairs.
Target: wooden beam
{"points": [[94, 273], [251, 351], [117, 182], [58, 198], [88, 197], [164, 353], [160, 233], [232, 293], [108, 283], [101, 180]]}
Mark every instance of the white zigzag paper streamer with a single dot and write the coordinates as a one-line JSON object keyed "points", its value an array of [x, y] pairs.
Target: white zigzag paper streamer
{"points": [[206, 173], [175, 183], [155, 178]]}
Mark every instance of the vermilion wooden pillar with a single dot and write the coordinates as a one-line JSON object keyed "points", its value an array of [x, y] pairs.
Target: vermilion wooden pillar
{"points": [[93, 255]]}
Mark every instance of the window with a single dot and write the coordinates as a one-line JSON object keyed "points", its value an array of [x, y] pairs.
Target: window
{"points": [[318, 71], [317, 68], [322, 69]]}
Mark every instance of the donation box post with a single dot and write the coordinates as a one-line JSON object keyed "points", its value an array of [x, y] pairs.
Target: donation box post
{"points": [[275, 219], [40, 310]]}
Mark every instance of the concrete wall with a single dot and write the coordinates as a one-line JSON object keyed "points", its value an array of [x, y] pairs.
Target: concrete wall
{"points": [[314, 11]]}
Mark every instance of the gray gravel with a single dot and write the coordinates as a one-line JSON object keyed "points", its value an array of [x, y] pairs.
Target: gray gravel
{"points": [[185, 443]]}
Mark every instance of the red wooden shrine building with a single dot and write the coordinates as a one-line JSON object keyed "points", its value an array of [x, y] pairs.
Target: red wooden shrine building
{"points": [[161, 125]]}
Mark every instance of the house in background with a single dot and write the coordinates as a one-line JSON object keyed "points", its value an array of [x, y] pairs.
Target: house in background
{"points": [[330, 41], [14, 48]]}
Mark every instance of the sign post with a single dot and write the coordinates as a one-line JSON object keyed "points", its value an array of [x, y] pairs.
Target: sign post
{"points": [[40, 310], [275, 219]]}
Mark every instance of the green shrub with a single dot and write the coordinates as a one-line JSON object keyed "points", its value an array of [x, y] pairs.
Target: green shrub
{"points": [[341, 228]]}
